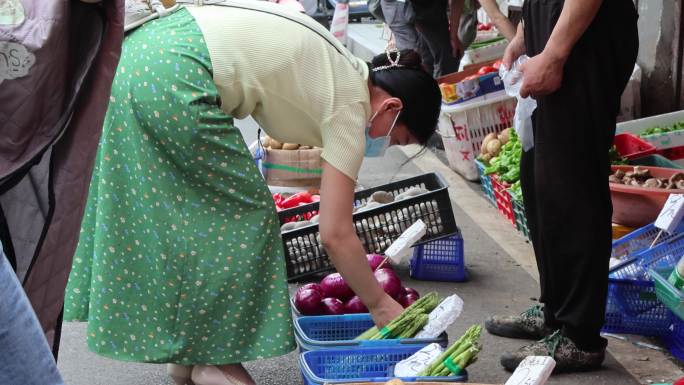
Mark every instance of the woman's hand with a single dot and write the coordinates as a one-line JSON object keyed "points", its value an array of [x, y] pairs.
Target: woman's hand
{"points": [[385, 311]]}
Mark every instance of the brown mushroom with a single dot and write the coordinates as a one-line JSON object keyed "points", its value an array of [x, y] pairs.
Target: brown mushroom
{"points": [[614, 179], [619, 174], [677, 177]]}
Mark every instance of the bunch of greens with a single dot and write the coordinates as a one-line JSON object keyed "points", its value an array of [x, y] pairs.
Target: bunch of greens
{"points": [[458, 356], [408, 324], [615, 157], [661, 130], [507, 163], [516, 191]]}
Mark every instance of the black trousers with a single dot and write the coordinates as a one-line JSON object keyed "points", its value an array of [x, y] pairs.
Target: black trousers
{"points": [[565, 177], [432, 23]]}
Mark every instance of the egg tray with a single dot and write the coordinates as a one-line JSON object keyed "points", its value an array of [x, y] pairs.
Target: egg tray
{"points": [[377, 227]]}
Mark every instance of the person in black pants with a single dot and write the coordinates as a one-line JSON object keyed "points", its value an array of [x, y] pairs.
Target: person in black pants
{"points": [[582, 53]]}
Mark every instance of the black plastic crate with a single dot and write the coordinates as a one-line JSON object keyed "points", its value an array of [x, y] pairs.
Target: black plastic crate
{"points": [[377, 228]]}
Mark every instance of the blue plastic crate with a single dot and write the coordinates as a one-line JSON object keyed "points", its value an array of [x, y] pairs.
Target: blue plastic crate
{"points": [[641, 239], [632, 306], [485, 183], [339, 331], [361, 365], [440, 260], [674, 339]]}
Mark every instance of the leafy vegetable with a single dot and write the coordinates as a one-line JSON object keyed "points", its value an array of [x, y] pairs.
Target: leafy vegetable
{"points": [[516, 191], [615, 157], [662, 130], [507, 163]]}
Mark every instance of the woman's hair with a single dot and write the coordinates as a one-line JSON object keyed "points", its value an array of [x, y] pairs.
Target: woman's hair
{"points": [[418, 91]]}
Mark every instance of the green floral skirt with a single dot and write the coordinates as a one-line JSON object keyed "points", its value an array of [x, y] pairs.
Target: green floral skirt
{"points": [[180, 258]]}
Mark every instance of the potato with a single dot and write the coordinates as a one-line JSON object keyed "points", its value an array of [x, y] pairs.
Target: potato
{"points": [[290, 146], [487, 157], [275, 145], [493, 147], [504, 136], [266, 141], [488, 138]]}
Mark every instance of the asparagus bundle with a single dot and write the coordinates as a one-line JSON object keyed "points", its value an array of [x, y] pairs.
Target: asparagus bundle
{"points": [[459, 355], [410, 322]]}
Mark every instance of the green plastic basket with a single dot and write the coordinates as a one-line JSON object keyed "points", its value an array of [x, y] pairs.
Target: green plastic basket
{"points": [[666, 292], [654, 160]]}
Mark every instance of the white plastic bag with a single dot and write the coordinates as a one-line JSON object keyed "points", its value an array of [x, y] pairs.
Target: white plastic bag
{"points": [[522, 122], [443, 316]]}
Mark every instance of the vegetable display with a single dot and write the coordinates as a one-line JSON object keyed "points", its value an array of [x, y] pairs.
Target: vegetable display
{"points": [[492, 143], [458, 356], [679, 126], [641, 177], [333, 296], [272, 144], [408, 323], [507, 162], [377, 199]]}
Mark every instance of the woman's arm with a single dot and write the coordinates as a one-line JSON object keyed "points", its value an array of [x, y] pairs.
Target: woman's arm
{"points": [[501, 22], [344, 247]]}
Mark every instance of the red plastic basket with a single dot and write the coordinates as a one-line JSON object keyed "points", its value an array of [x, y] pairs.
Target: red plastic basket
{"points": [[630, 146], [503, 198]]}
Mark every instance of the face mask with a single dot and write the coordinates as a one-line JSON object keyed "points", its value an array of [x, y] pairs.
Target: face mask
{"points": [[376, 147]]}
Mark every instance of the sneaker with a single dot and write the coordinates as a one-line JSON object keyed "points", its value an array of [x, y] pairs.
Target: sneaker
{"points": [[529, 325], [569, 358]]}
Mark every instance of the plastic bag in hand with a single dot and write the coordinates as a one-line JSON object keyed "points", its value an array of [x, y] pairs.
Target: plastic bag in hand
{"points": [[522, 122]]}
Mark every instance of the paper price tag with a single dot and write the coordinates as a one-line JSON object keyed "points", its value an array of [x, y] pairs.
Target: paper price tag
{"points": [[401, 247], [671, 214], [420, 360], [533, 370]]}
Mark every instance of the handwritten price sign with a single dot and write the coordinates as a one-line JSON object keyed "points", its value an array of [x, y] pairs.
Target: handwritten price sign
{"points": [[671, 214]]}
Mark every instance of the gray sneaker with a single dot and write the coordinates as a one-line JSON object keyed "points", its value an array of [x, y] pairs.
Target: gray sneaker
{"points": [[528, 325], [569, 358]]}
